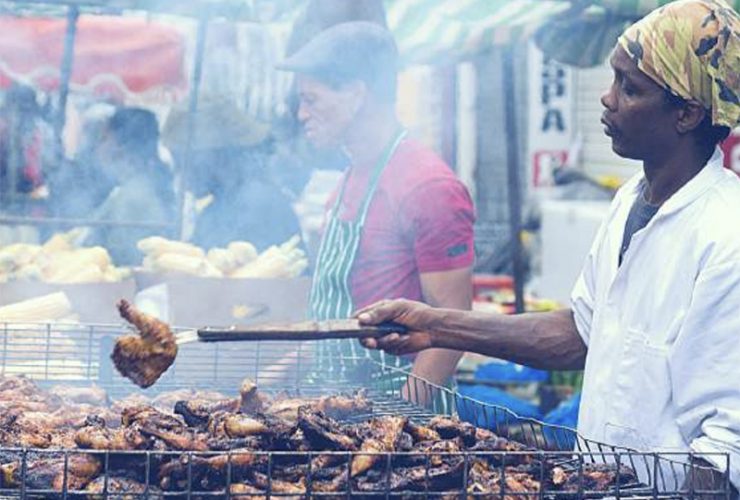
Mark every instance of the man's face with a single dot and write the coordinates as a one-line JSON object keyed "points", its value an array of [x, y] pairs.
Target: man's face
{"points": [[325, 113], [637, 117]]}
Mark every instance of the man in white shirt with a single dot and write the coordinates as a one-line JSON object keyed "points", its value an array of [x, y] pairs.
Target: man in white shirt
{"points": [[655, 314]]}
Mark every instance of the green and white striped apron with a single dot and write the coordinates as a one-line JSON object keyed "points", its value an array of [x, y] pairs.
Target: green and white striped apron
{"points": [[331, 297]]}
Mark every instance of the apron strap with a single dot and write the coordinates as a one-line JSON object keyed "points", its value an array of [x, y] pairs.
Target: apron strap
{"points": [[373, 182]]}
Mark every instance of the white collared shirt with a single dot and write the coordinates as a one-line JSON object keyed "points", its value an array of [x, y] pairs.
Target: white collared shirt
{"points": [[663, 329]]}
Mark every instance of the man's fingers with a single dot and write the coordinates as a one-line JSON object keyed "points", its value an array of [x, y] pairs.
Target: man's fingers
{"points": [[379, 312], [396, 344], [369, 343]]}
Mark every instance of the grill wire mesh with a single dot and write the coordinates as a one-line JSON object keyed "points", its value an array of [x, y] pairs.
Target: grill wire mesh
{"points": [[74, 354]]}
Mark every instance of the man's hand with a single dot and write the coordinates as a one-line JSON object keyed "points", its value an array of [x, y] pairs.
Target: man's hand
{"points": [[417, 317]]}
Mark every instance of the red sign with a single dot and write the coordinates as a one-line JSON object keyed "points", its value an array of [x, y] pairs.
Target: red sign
{"points": [[544, 163]]}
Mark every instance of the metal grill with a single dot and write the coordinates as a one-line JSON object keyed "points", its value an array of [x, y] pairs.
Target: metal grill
{"points": [[79, 355]]}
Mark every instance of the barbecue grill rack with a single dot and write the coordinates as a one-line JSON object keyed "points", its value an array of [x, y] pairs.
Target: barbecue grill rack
{"points": [[74, 354]]}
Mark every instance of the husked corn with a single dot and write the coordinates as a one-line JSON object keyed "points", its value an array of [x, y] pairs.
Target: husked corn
{"points": [[243, 251], [197, 266], [223, 260], [45, 308], [157, 246], [82, 272]]}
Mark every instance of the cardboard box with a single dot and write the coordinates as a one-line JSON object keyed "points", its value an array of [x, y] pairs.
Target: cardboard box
{"points": [[195, 302], [92, 302]]}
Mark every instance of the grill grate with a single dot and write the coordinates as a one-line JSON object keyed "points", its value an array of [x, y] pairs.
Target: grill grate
{"points": [[78, 355]]}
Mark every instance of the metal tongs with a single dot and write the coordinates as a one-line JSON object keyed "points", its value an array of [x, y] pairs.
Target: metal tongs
{"points": [[306, 330]]}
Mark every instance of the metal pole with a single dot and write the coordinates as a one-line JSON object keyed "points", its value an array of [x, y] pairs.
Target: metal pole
{"points": [[192, 109], [73, 14], [513, 178]]}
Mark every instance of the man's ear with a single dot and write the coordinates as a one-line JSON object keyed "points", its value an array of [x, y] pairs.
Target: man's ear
{"points": [[358, 90], [690, 117]]}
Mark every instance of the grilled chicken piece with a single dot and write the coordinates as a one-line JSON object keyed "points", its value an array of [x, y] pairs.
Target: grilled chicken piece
{"points": [[336, 407], [197, 412], [120, 488], [251, 400], [596, 477], [237, 425], [180, 440], [226, 444], [432, 452], [63, 439], [143, 358], [340, 407], [449, 428], [118, 406], [14, 387], [150, 416], [287, 409], [243, 491], [49, 473], [448, 475], [421, 432], [385, 434], [516, 455], [165, 427], [277, 486], [167, 400], [96, 436], [486, 481], [173, 476], [322, 432]]}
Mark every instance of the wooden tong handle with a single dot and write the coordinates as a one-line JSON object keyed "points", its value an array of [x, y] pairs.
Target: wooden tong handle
{"points": [[354, 331]]}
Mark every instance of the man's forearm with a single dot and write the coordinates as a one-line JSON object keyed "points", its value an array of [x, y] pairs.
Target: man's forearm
{"points": [[447, 289], [541, 340], [436, 365]]}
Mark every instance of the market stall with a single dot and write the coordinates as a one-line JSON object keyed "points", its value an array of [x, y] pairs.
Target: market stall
{"points": [[296, 427]]}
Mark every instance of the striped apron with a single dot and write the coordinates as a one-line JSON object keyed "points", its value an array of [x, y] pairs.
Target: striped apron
{"points": [[331, 297]]}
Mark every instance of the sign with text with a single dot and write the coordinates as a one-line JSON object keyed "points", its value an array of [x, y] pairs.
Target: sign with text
{"points": [[551, 123]]}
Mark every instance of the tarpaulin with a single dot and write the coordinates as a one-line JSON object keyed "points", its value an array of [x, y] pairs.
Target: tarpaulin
{"points": [[113, 56]]}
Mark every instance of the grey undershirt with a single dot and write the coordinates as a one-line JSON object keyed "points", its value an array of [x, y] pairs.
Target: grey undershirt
{"points": [[639, 216]]}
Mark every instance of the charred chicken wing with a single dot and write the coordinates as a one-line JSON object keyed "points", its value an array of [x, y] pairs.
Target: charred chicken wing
{"points": [[143, 358]]}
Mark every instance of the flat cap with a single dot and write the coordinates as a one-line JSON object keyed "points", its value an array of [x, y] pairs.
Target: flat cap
{"points": [[357, 50]]}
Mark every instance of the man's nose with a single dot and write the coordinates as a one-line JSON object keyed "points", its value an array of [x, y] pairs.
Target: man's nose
{"points": [[607, 98]]}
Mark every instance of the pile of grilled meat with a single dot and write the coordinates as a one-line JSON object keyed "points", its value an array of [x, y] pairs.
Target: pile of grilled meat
{"points": [[251, 444]]}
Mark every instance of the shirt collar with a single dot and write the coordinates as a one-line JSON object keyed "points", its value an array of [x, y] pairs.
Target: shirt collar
{"points": [[712, 173]]}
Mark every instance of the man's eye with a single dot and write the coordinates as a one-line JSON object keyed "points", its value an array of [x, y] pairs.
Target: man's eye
{"points": [[628, 88]]}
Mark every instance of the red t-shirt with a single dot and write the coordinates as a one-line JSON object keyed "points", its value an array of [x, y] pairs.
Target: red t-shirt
{"points": [[420, 220]]}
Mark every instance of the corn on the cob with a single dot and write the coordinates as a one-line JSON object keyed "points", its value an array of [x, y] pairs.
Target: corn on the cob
{"points": [[243, 251], [158, 246], [57, 243], [223, 260], [45, 308], [185, 264], [82, 272], [17, 255], [30, 272], [80, 266], [291, 244]]}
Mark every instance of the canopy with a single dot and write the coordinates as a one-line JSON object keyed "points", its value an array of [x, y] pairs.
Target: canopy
{"points": [[113, 56], [585, 34], [436, 30]]}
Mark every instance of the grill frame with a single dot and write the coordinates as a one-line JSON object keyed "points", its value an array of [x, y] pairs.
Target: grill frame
{"points": [[45, 348]]}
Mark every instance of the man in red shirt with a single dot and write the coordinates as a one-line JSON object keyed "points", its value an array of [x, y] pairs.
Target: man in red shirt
{"points": [[400, 224]]}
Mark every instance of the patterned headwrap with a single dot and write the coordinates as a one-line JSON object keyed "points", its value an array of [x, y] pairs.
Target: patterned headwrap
{"points": [[692, 48]]}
